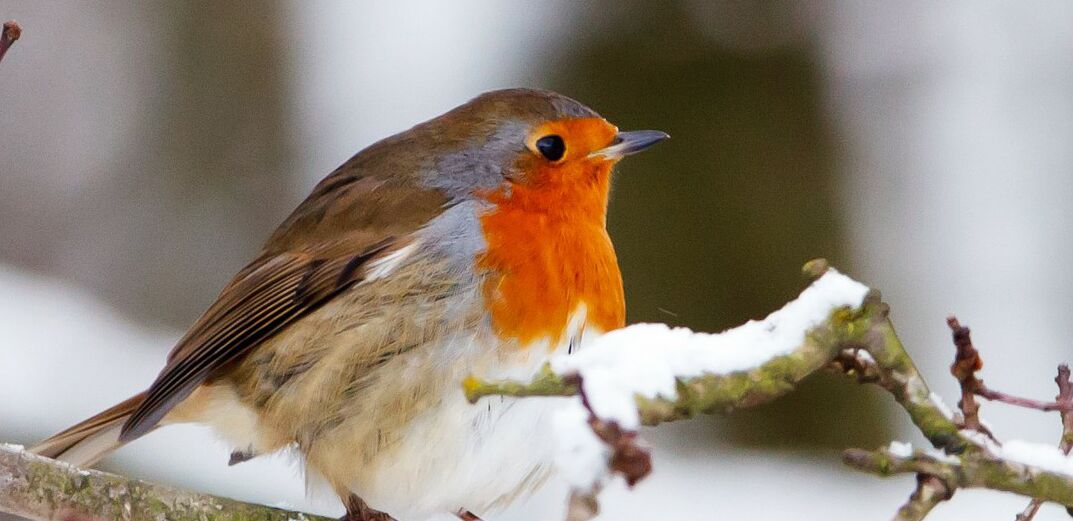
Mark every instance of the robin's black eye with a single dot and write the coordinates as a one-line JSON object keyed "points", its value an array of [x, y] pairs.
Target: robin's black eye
{"points": [[551, 147]]}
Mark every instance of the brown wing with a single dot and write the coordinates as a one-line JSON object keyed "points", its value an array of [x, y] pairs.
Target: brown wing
{"points": [[318, 252], [251, 309]]}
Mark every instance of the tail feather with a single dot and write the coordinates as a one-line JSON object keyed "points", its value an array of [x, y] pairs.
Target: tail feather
{"points": [[87, 442]]}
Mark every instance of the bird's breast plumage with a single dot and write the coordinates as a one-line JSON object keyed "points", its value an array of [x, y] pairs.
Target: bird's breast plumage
{"points": [[547, 255]]}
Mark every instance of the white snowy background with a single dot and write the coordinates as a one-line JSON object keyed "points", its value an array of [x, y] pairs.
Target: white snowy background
{"points": [[954, 122]]}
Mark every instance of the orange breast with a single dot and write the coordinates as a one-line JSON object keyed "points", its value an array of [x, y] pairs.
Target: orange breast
{"points": [[548, 252]]}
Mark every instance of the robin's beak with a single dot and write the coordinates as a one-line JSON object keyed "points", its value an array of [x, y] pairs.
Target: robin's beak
{"points": [[627, 143]]}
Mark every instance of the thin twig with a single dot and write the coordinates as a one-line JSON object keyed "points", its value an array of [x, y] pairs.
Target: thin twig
{"points": [[930, 491], [627, 457], [966, 362], [1027, 403], [1030, 511], [8, 35], [1065, 398]]}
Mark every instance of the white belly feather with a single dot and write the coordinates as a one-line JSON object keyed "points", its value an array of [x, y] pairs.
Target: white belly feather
{"points": [[477, 457]]}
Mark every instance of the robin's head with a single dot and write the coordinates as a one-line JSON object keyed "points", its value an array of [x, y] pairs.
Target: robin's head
{"points": [[536, 148], [538, 165]]}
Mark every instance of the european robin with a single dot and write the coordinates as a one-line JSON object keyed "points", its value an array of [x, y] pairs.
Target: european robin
{"points": [[473, 243]]}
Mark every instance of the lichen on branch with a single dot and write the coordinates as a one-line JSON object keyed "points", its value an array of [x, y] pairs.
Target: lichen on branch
{"points": [[42, 489]]}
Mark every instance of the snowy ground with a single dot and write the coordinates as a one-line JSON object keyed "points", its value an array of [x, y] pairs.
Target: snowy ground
{"points": [[64, 355]]}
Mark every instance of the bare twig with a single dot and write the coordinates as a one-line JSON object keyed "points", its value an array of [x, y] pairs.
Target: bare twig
{"points": [[930, 492], [1030, 511], [1064, 398], [966, 362], [627, 457], [41, 489], [1019, 401], [8, 35]]}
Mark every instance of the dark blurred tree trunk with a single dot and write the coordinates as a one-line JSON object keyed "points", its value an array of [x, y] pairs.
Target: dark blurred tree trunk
{"points": [[194, 195], [710, 226]]}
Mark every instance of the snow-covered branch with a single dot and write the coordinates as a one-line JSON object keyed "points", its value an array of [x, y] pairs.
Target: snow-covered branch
{"points": [[647, 374], [42, 489], [651, 373], [1029, 469]]}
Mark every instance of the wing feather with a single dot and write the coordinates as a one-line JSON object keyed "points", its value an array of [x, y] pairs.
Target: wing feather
{"points": [[268, 295]]}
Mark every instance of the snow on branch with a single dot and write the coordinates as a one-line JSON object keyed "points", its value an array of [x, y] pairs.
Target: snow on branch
{"points": [[648, 373]]}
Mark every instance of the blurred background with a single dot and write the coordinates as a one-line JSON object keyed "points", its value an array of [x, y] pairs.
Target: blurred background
{"points": [[926, 148]]}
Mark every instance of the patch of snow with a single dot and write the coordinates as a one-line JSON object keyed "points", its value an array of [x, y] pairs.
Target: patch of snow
{"points": [[645, 359], [941, 405], [581, 458], [1046, 457], [982, 440], [864, 356], [942, 456], [901, 449]]}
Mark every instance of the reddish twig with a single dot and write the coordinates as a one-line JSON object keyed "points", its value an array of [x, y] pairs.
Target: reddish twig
{"points": [[1030, 511], [10, 33], [1065, 400], [931, 490], [627, 457], [966, 362], [1027, 403]]}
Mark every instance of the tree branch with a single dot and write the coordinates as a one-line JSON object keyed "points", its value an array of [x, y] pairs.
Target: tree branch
{"points": [[974, 469], [43, 489]]}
